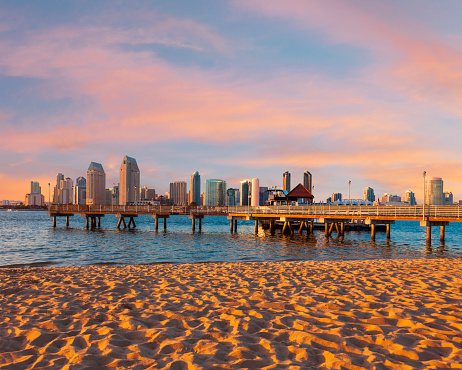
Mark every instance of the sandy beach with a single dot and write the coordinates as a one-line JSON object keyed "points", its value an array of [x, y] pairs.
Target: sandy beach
{"points": [[379, 314]]}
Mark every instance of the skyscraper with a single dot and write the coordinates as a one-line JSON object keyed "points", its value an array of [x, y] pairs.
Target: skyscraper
{"points": [[368, 194], [286, 181], [96, 184], [245, 192], [409, 197], [231, 193], [434, 191], [178, 193], [215, 193], [59, 178], [263, 195], [308, 181], [129, 182], [80, 190], [255, 194], [35, 187], [195, 188]]}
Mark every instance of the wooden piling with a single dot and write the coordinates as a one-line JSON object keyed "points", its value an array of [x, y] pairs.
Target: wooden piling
{"points": [[157, 223], [200, 224], [388, 231], [442, 231], [429, 234], [99, 221], [165, 223], [54, 221], [231, 226], [87, 224], [373, 232], [118, 223], [331, 228], [256, 226], [193, 224], [342, 228], [235, 226], [337, 229], [67, 221]]}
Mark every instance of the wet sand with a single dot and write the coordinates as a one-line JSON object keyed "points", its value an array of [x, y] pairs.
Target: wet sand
{"points": [[381, 314]]}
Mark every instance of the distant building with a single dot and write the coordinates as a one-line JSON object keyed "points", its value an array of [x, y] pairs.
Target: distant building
{"points": [[388, 198], [215, 193], [409, 198], [129, 182], [263, 195], [195, 188], [368, 194], [80, 190], [448, 198], [246, 188], [59, 178], [34, 200], [308, 181], [178, 193], [35, 187], [434, 191], [231, 197], [255, 193], [336, 197], [286, 181], [202, 198], [96, 184], [149, 194], [112, 196]]}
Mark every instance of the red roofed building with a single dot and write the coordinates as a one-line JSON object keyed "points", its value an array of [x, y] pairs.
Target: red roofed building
{"points": [[300, 192]]}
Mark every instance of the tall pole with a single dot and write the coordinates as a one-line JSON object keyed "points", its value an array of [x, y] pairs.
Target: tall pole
{"points": [[349, 186], [423, 216], [49, 194]]}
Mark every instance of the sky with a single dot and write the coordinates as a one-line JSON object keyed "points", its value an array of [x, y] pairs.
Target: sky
{"points": [[361, 90]]}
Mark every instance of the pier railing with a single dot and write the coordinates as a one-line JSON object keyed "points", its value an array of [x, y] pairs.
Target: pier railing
{"points": [[449, 211]]}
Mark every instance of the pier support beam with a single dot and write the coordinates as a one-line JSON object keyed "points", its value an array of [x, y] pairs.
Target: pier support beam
{"points": [[256, 226], [235, 226], [272, 226], [326, 228], [374, 222], [231, 226], [157, 216], [342, 229], [193, 218], [428, 224], [373, 232], [54, 221]]}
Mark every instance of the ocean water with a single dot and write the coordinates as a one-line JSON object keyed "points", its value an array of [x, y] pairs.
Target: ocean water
{"points": [[28, 238]]}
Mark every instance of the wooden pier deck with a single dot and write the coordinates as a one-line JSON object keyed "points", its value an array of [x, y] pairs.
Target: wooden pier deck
{"points": [[334, 218]]}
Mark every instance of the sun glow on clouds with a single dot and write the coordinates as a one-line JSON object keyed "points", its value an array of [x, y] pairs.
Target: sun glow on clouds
{"points": [[124, 97]]}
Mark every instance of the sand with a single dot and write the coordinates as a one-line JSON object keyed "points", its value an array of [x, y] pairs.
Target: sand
{"points": [[381, 314]]}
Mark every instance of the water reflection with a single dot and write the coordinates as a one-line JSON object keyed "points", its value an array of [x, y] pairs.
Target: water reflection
{"points": [[27, 237]]}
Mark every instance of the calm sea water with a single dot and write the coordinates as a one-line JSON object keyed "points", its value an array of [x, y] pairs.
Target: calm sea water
{"points": [[28, 238]]}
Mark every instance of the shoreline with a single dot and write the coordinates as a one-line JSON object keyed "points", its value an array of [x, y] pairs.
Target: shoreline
{"points": [[51, 264], [360, 314]]}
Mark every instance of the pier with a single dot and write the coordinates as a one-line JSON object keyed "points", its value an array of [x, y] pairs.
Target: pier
{"points": [[336, 219]]}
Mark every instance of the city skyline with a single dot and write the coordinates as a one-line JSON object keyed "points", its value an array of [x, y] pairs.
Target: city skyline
{"points": [[367, 92]]}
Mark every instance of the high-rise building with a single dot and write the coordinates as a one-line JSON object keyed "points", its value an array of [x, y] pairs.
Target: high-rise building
{"points": [[255, 193], [336, 197], [112, 195], [215, 193], [368, 194], [80, 190], [195, 188], [448, 198], [150, 194], [434, 191], [59, 178], [231, 195], [96, 184], [178, 193], [129, 182], [245, 192], [409, 197], [308, 181], [263, 194], [286, 181], [35, 187]]}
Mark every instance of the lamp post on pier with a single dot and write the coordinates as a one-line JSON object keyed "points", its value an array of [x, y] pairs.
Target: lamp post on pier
{"points": [[349, 187], [49, 194], [424, 196]]}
